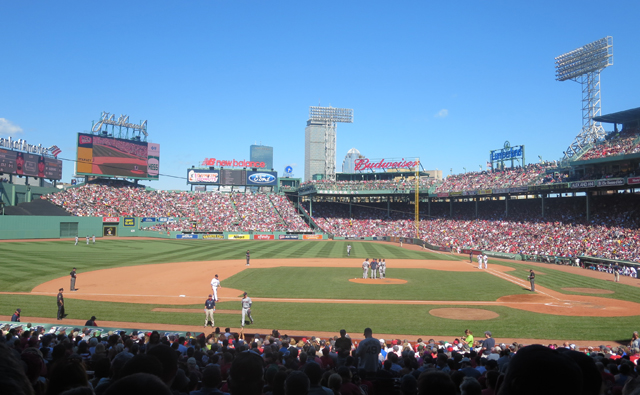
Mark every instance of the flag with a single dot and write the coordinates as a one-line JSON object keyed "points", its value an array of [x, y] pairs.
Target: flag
{"points": [[489, 165], [55, 150]]}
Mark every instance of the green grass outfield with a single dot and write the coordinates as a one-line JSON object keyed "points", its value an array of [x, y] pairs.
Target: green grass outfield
{"points": [[24, 265]]}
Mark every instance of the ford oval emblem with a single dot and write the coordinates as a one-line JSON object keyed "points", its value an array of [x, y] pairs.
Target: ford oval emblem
{"points": [[262, 178]]}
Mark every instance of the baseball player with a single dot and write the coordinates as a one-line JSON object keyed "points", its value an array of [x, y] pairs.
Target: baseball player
{"points": [[76, 240], [479, 261], [374, 268], [246, 308], [485, 259], [365, 268], [382, 268], [87, 239], [248, 257], [73, 275], [209, 308], [94, 239], [348, 249], [215, 283]]}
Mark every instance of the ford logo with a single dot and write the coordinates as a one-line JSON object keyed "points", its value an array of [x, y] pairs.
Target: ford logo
{"points": [[262, 178]]}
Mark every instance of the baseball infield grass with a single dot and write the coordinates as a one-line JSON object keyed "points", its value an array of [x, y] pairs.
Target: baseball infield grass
{"points": [[26, 264]]}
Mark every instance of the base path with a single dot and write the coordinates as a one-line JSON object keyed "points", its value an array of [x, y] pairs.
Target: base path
{"points": [[187, 283]]}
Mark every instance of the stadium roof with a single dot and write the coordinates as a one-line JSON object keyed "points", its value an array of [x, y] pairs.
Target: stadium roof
{"points": [[622, 117]]}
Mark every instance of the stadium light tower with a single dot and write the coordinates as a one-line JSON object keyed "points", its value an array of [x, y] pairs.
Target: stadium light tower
{"points": [[328, 117], [584, 65]]}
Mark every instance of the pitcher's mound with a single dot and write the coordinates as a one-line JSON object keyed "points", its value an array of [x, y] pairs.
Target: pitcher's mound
{"points": [[378, 281], [589, 290], [464, 314]]}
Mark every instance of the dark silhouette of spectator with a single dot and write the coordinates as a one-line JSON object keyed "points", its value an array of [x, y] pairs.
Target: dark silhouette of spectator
{"points": [[297, 383], [436, 382], [169, 361], [137, 384], [211, 382], [537, 369], [245, 376], [13, 379], [69, 372]]}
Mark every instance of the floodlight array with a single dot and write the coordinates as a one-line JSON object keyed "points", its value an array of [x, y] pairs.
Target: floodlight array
{"points": [[592, 57], [331, 114]]}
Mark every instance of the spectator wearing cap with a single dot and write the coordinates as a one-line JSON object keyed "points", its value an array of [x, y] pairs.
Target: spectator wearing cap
{"points": [[91, 321], [465, 367], [489, 342], [343, 347], [16, 316]]}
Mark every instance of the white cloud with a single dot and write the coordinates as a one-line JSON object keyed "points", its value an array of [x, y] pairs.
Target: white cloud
{"points": [[8, 128], [442, 113]]}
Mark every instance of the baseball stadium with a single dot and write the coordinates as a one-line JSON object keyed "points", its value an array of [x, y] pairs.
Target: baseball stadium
{"points": [[523, 253]]}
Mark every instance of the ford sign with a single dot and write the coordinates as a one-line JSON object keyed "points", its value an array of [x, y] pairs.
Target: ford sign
{"points": [[262, 178]]}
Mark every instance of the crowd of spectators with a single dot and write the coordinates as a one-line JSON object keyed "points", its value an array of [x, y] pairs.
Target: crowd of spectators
{"points": [[188, 211], [490, 179], [121, 363], [397, 185], [617, 144], [612, 231]]}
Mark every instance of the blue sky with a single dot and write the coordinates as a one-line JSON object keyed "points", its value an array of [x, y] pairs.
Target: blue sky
{"points": [[443, 81]]}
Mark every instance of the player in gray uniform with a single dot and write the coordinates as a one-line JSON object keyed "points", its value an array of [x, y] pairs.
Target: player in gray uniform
{"points": [[73, 275], [365, 268], [76, 240], [348, 249], [246, 308], [382, 268]]}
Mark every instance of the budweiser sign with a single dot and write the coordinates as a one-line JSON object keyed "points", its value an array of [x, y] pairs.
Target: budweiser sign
{"points": [[366, 164], [231, 163]]}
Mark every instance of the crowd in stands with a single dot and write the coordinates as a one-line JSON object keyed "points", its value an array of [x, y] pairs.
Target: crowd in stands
{"points": [[612, 231], [507, 178], [616, 144], [89, 362], [208, 211], [398, 185]]}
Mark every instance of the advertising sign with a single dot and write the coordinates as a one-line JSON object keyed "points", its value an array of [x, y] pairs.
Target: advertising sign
{"points": [[212, 237], [263, 237], [148, 219], [507, 153], [366, 164], [238, 237], [611, 182], [311, 237], [443, 194], [196, 176], [633, 180], [518, 189], [167, 219], [582, 184], [129, 221], [232, 163], [288, 237], [265, 178], [110, 219], [186, 236], [484, 191], [102, 155]]}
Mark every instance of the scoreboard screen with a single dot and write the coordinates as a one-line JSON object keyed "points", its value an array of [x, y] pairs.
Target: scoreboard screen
{"points": [[232, 177]]}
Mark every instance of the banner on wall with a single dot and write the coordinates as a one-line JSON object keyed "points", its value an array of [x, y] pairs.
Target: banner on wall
{"points": [[238, 237]]}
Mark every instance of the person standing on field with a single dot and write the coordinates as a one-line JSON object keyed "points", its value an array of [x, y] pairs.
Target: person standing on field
{"points": [[485, 259], [374, 268], [365, 268], [532, 280], [209, 308], [479, 261], [215, 283], [246, 308], [248, 257], [73, 275], [76, 240], [94, 239], [60, 302], [348, 249]]}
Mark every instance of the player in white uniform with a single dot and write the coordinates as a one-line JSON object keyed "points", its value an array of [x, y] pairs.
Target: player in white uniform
{"points": [[348, 249], [485, 258], [382, 267], [365, 268], [479, 261], [76, 240], [215, 283], [94, 239], [246, 308]]}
